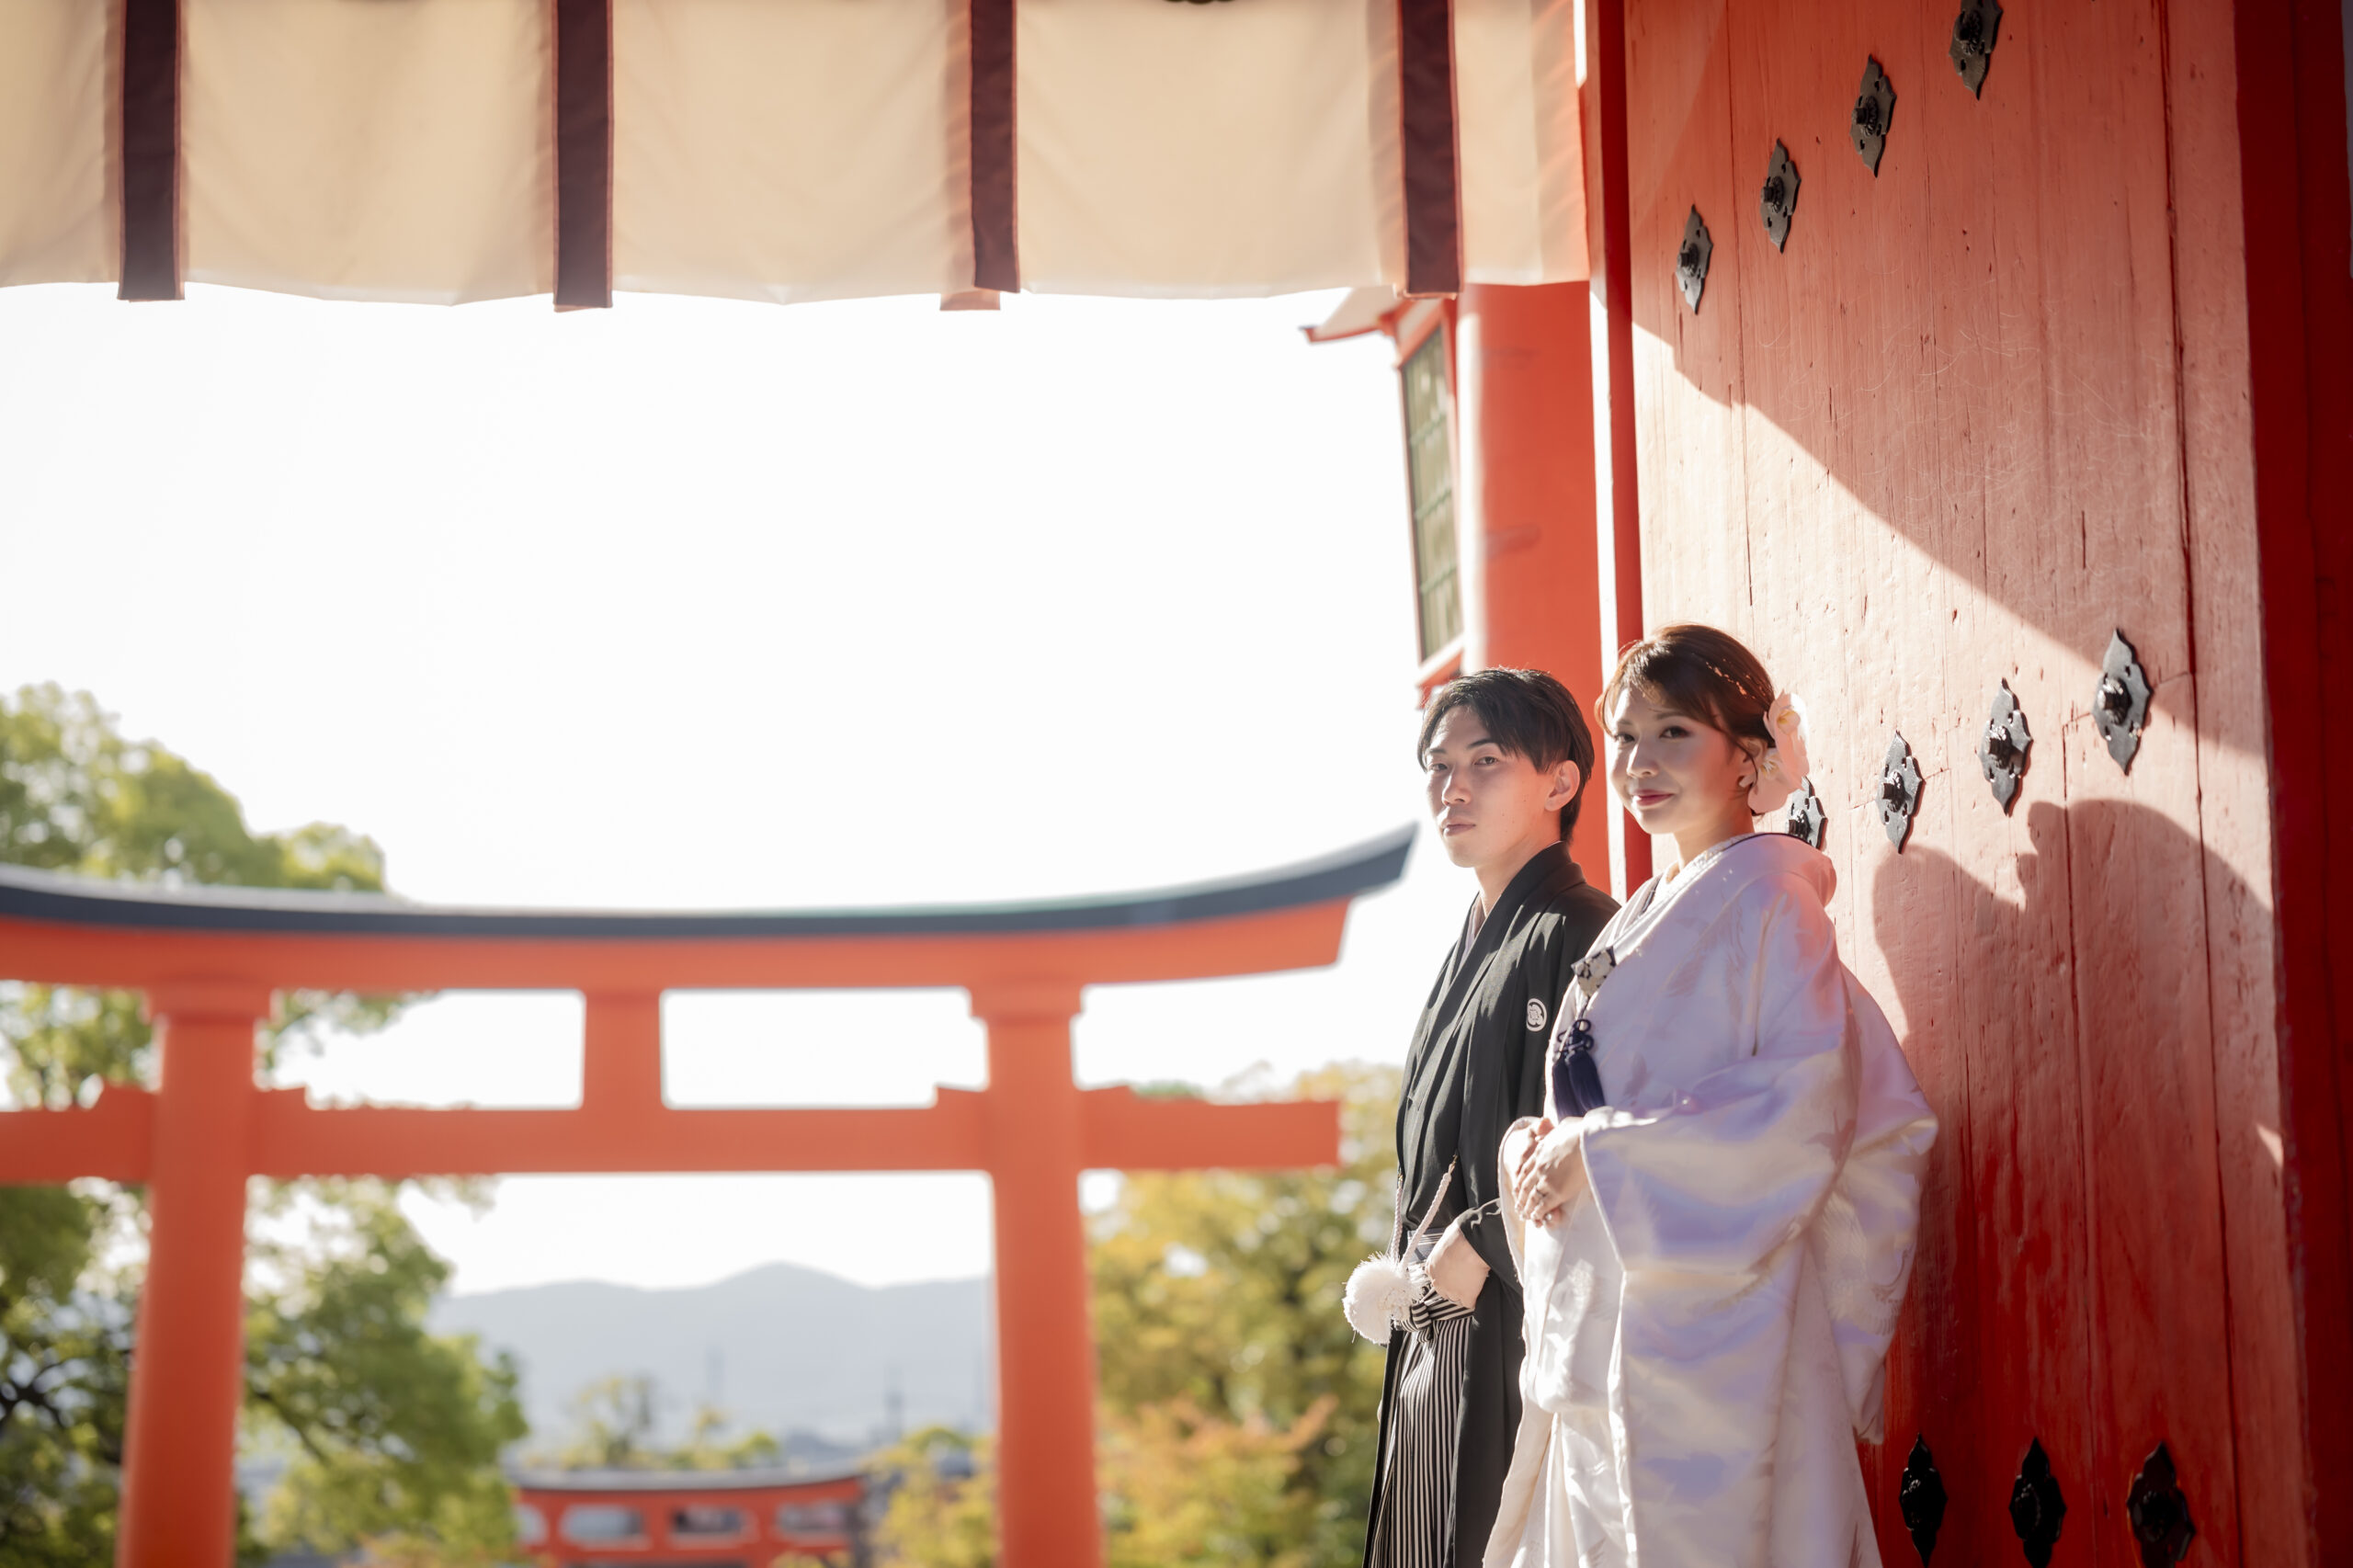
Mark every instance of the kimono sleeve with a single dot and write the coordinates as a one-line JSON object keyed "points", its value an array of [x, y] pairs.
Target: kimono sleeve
{"points": [[1707, 1203], [1866, 1236], [1507, 1083]]}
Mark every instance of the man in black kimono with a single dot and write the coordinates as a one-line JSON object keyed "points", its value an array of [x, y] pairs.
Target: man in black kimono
{"points": [[1506, 754]]}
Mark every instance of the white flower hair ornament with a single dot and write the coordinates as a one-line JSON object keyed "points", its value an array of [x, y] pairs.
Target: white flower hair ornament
{"points": [[1783, 768]]}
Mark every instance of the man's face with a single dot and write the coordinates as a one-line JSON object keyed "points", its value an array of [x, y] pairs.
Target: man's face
{"points": [[1488, 804]]}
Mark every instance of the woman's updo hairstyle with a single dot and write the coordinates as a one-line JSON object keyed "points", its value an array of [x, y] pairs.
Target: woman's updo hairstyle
{"points": [[1699, 672]]}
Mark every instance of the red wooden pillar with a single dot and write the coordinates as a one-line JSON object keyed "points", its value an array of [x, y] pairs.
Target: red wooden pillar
{"points": [[179, 1493], [1045, 1361], [1618, 520], [620, 1060], [1524, 395]]}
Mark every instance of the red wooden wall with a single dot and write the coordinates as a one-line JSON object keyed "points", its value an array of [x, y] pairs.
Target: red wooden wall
{"points": [[1985, 408]]}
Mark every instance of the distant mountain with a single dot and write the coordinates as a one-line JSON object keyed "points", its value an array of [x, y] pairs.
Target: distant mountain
{"points": [[781, 1348]]}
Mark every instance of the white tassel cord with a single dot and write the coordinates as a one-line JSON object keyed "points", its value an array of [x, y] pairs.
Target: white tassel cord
{"points": [[1377, 1297]]}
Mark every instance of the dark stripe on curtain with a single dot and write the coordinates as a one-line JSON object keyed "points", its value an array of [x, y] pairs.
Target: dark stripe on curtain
{"points": [[1426, 92], [584, 154], [150, 150], [996, 256]]}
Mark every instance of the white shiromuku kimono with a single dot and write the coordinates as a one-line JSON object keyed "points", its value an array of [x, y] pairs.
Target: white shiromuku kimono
{"points": [[1708, 1318]]}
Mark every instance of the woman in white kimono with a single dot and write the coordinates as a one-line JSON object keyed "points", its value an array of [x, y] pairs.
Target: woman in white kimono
{"points": [[1719, 1207]]}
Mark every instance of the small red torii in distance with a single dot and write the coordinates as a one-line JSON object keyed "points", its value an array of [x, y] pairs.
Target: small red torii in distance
{"points": [[209, 961]]}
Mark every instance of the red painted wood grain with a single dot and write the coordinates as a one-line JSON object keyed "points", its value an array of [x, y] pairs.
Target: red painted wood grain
{"points": [[1978, 413]]}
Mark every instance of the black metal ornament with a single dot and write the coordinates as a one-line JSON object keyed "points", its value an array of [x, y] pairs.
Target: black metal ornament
{"points": [[1807, 818], [2121, 706], [1972, 41], [1899, 792], [2037, 1509], [1691, 259], [2159, 1513], [1920, 1498], [2001, 751], [1874, 112], [1779, 197]]}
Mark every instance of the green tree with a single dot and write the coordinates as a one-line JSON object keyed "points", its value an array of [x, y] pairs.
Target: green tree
{"points": [[613, 1420], [61, 1382], [1238, 1409], [1184, 1488], [1218, 1294], [708, 1446], [397, 1431], [943, 1510]]}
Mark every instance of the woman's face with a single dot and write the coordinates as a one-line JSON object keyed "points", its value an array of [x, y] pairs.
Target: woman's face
{"points": [[1677, 774]]}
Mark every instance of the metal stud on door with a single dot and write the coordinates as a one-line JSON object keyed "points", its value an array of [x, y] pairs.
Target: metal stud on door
{"points": [[1899, 792], [2158, 1513], [1779, 198], [1874, 112], [2001, 751], [1971, 50], [2121, 705], [1691, 259], [1920, 1498], [2036, 1507], [1807, 818]]}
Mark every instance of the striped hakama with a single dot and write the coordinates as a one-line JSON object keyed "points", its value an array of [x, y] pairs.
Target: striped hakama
{"points": [[1449, 1399], [1415, 1525]]}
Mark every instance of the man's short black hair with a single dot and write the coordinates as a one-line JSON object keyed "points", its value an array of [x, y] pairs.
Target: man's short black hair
{"points": [[1527, 713]]}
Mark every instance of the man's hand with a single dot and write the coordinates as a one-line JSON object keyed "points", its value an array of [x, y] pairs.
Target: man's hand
{"points": [[1457, 1271], [1548, 1171]]}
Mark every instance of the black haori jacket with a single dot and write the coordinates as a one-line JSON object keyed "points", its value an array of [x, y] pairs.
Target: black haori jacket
{"points": [[1476, 1066]]}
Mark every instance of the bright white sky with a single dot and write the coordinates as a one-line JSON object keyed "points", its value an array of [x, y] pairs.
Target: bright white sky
{"points": [[699, 604]]}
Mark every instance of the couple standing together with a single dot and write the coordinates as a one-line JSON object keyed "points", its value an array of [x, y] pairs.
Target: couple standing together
{"points": [[1659, 1165]]}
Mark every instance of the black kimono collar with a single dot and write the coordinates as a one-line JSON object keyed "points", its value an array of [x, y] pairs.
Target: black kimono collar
{"points": [[1543, 868], [1548, 868]]}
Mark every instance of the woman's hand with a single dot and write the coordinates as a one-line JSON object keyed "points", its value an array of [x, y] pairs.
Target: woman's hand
{"points": [[1548, 1171], [1457, 1271], [1520, 1144], [1520, 1138]]}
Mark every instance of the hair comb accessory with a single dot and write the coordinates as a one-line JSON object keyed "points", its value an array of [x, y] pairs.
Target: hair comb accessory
{"points": [[1783, 768]]}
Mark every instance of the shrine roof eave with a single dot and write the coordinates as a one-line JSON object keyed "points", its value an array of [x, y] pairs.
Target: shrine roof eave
{"points": [[770, 1478], [74, 930]]}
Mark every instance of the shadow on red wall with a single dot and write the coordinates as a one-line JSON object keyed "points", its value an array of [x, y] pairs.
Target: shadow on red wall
{"points": [[2070, 1289]]}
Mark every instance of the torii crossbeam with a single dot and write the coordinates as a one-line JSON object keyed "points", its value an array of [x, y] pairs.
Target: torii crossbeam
{"points": [[209, 961]]}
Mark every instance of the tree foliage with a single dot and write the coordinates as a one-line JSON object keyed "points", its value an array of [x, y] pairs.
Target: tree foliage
{"points": [[1237, 1410], [397, 1431], [1187, 1488], [1216, 1294], [613, 1422], [943, 1510], [62, 1383]]}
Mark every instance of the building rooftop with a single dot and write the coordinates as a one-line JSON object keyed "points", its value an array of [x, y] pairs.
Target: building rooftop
{"points": [[746, 1480], [82, 901]]}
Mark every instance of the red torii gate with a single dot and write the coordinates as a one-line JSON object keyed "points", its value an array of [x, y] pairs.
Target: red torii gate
{"points": [[210, 960]]}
